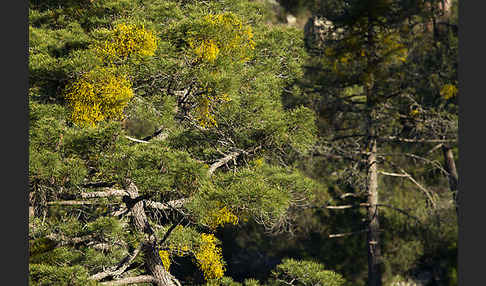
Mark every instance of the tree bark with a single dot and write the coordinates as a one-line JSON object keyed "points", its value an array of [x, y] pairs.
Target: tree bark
{"points": [[153, 262], [373, 237], [450, 167], [130, 280], [373, 234]]}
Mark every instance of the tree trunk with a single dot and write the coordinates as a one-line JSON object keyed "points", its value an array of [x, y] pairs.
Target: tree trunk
{"points": [[450, 167], [373, 237], [153, 262]]}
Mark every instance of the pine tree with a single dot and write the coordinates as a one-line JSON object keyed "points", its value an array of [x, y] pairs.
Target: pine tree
{"points": [[373, 99], [152, 124]]}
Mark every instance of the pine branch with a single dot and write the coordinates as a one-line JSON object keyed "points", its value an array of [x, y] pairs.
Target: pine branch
{"points": [[131, 280]]}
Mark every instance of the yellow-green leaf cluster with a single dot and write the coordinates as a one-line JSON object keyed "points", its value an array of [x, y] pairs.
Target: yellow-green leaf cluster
{"points": [[204, 109], [221, 35], [127, 40], [98, 95], [221, 216], [164, 256], [448, 91], [210, 258]]}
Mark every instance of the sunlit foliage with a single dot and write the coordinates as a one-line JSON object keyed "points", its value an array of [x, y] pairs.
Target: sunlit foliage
{"points": [[98, 95], [210, 258], [221, 34], [126, 40]]}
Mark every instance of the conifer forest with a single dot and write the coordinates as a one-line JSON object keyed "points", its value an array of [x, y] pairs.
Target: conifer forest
{"points": [[243, 142]]}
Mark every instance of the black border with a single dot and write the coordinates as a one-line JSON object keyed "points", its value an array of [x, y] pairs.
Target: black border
{"points": [[14, 138], [471, 145]]}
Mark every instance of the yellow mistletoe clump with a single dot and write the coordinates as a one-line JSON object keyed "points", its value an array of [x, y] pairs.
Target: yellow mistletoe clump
{"points": [[210, 258], [220, 217], [207, 50], [204, 109], [222, 34], [98, 95], [448, 91], [164, 256], [127, 40]]}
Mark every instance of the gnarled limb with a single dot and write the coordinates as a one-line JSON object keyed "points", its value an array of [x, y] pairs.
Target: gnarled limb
{"points": [[103, 194], [118, 270], [168, 205], [130, 280], [222, 161]]}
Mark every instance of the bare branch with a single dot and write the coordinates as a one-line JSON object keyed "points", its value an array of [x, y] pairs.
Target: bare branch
{"points": [[64, 240], [166, 206], [223, 161], [131, 280], [392, 174], [400, 211], [104, 194], [71, 203], [124, 264], [345, 195], [347, 233], [434, 163], [136, 140], [426, 192], [435, 148], [169, 231], [154, 135], [347, 206], [412, 140]]}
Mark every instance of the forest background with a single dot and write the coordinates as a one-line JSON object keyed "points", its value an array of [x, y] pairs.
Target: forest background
{"points": [[203, 142]]}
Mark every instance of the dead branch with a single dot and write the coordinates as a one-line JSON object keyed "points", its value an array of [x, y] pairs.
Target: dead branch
{"points": [[64, 240], [408, 176], [130, 280], [223, 161], [103, 194], [347, 206], [347, 233], [392, 174], [400, 211], [412, 140], [122, 266], [136, 140], [71, 203], [168, 205]]}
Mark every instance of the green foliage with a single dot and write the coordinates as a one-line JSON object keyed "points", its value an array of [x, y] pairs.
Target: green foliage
{"points": [[305, 273], [157, 170], [263, 192], [214, 77], [40, 274]]}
